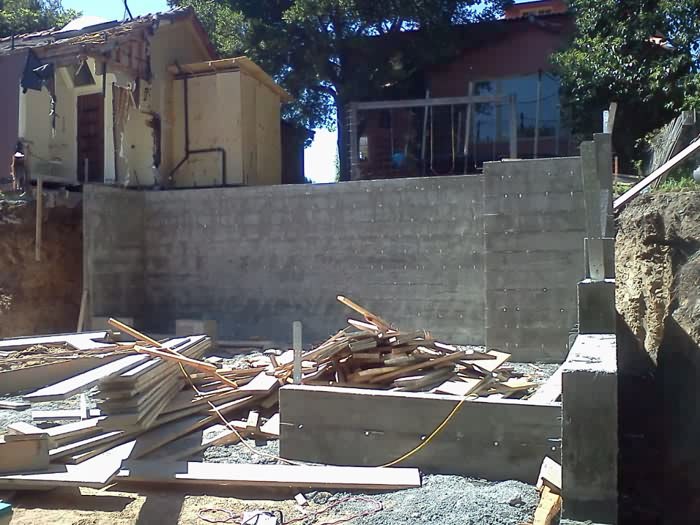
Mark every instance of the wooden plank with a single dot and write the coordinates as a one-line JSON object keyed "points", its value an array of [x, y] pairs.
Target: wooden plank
{"points": [[310, 477], [78, 341], [68, 432], [451, 358], [550, 475], [23, 456], [550, 390], [498, 440], [253, 421], [20, 430], [459, 388], [95, 472], [14, 405], [193, 443], [261, 384], [63, 415], [33, 377], [657, 173], [272, 427], [73, 385], [548, 507]]}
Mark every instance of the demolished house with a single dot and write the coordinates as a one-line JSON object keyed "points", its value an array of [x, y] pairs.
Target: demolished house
{"points": [[144, 102]]}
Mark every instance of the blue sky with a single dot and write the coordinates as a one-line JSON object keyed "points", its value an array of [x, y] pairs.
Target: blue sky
{"points": [[320, 157]]}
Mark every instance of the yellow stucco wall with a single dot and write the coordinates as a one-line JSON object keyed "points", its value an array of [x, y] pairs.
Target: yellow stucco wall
{"points": [[228, 110]]}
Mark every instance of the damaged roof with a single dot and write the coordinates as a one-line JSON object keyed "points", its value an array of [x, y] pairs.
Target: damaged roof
{"points": [[99, 34]]}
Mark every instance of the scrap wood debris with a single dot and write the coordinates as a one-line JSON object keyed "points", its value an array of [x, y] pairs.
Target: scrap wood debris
{"points": [[163, 401]]}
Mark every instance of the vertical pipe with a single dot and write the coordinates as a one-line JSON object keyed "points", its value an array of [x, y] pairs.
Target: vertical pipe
{"points": [[297, 345], [536, 144]]}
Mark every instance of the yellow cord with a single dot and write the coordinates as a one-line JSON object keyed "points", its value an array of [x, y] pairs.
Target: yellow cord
{"points": [[429, 438]]}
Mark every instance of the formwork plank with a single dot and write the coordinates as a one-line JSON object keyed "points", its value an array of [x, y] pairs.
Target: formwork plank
{"points": [[345, 426]]}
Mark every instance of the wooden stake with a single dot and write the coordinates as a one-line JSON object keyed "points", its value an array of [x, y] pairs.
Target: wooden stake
{"points": [[81, 315], [133, 332], [39, 217]]}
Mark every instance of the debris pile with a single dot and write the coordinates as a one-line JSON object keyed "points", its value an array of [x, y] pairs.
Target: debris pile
{"points": [[165, 401]]}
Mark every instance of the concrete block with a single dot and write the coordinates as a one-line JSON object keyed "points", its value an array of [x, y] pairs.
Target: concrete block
{"points": [[600, 258], [197, 327], [596, 307], [589, 429]]}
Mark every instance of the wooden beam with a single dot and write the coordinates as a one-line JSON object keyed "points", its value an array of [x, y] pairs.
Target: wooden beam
{"points": [[73, 385], [550, 475], [133, 332], [548, 507], [549, 391], [310, 477], [635, 190], [430, 102]]}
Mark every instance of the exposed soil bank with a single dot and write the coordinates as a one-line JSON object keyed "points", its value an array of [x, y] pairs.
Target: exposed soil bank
{"points": [[39, 297], [658, 272]]}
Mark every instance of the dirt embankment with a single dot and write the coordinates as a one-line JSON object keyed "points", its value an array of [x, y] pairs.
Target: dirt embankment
{"points": [[658, 266], [39, 297]]}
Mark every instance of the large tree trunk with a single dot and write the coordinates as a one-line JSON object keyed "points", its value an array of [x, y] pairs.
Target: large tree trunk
{"points": [[343, 139]]}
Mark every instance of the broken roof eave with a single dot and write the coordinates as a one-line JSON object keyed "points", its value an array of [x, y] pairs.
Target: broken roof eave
{"points": [[232, 64]]}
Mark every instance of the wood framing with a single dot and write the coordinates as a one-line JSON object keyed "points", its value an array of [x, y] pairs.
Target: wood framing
{"points": [[496, 440]]}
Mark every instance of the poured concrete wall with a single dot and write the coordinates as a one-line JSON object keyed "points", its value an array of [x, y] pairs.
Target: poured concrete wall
{"points": [[534, 225], [482, 260], [113, 251], [257, 259]]}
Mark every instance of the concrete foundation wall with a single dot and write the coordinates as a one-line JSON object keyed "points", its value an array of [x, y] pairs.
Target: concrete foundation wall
{"points": [[113, 251], [476, 260], [534, 224], [257, 259]]}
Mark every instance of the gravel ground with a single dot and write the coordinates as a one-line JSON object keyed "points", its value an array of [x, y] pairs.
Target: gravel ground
{"points": [[445, 500]]}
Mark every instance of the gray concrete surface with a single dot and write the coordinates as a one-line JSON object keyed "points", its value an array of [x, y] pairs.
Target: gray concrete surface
{"points": [[474, 259], [534, 229], [113, 251], [590, 430], [347, 426]]}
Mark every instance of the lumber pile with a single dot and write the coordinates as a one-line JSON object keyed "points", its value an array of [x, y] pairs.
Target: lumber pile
{"points": [[163, 401]]}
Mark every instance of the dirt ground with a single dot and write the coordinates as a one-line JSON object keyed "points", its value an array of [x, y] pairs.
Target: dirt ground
{"points": [[658, 265], [39, 297]]}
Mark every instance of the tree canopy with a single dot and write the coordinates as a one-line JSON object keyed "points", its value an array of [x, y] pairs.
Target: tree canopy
{"points": [[26, 16], [642, 54], [311, 47]]}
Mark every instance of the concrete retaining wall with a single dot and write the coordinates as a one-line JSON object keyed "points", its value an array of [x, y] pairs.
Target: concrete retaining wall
{"points": [[257, 259], [534, 224], [113, 251], [423, 253]]}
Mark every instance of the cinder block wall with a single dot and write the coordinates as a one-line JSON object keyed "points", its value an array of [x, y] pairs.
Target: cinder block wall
{"points": [[113, 251], [256, 259]]}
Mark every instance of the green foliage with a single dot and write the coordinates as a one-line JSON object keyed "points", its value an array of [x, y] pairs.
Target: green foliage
{"points": [[26, 16], [311, 46], [612, 59]]}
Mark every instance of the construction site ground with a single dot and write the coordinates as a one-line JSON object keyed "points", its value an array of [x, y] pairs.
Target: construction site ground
{"points": [[442, 499]]}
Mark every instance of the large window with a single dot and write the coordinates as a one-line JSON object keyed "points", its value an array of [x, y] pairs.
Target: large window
{"points": [[492, 121]]}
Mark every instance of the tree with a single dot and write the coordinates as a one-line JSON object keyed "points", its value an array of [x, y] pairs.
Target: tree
{"points": [[312, 46], [26, 16], [642, 54]]}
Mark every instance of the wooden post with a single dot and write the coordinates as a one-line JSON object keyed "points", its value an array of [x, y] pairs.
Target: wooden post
{"points": [[513, 127], [39, 217], [81, 315], [538, 103], [296, 344]]}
